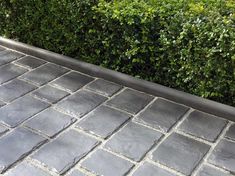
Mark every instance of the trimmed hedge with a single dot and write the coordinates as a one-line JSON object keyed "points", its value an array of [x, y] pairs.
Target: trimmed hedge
{"points": [[185, 44]]}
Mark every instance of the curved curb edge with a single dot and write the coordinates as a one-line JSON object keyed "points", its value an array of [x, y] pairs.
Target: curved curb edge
{"points": [[202, 104]]}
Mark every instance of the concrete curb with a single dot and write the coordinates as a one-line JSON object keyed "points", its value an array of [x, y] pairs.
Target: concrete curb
{"points": [[187, 99]]}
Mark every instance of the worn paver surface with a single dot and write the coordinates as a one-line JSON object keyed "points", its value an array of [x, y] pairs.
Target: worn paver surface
{"points": [[57, 121]]}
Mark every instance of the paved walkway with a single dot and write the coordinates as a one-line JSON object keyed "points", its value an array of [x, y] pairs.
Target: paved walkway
{"points": [[56, 121]]}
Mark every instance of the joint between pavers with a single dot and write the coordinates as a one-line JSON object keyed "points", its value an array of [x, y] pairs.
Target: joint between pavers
{"points": [[22, 157], [205, 158], [148, 155]]}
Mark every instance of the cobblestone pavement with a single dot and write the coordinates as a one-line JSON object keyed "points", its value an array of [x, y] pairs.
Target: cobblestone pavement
{"points": [[56, 121]]}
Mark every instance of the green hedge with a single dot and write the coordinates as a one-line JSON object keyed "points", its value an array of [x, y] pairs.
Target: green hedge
{"points": [[184, 44]]}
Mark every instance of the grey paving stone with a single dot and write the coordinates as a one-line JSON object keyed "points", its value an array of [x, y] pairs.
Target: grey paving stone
{"points": [[26, 169], [17, 145], [133, 141], [77, 173], [130, 100], [15, 89], [20, 110], [65, 151], [30, 62], [2, 48], [104, 87], [162, 114], [45, 73], [80, 103], [203, 125], [103, 121], [3, 129], [231, 132], [180, 153], [148, 169], [10, 71], [224, 155], [1, 103], [9, 56], [106, 164], [72, 81], [50, 122], [50, 94], [210, 171]]}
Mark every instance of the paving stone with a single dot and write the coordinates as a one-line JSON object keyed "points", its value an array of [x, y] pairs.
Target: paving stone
{"points": [[50, 94], [80, 103], [2, 48], [72, 81], [203, 125], [3, 129], [45, 73], [77, 173], [162, 114], [50, 122], [10, 71], [104, 87], [9, 56], [26, 169], [106, 164], [96, 122], [65, 151], [180, 153], [30, 62], [210, 171], [231, 132], [130, 100], [1, 103], [224, 155], [150, 170], [133, 141], [17, 145], [15, 89], [20, 110]]}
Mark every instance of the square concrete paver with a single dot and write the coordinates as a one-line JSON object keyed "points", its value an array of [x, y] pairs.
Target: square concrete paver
{"points": [[148, 169], [162, 114], [133, 141], [231, 132], [211, 171], [30, 62], [130, 100], [180, 153], [15, 89], [72, 81], [80, 103], [44, 74], [104, 87], [27, 169], [103, 121], [20, 110], [203, 125], [224, 155], [9, 56], [10, 71], [50, 94], [50, 122], [65, 151], [16, 145], [106, 164]]}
